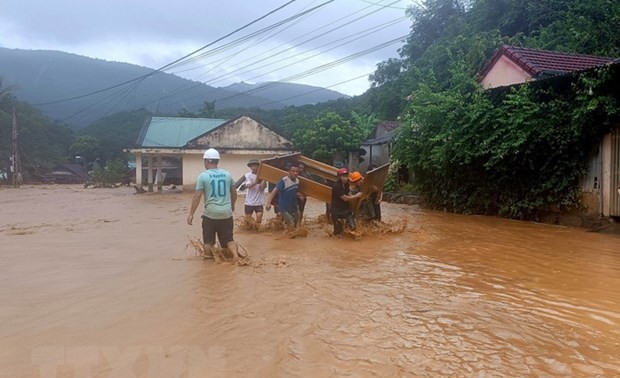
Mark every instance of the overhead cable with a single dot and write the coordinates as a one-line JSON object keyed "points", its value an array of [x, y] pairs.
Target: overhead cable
{"points": [[176, 61]]}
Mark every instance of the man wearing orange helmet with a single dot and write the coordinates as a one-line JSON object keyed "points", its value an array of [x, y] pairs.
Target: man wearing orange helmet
{"points": [[370, 208], [340, 208], [356, 179]]}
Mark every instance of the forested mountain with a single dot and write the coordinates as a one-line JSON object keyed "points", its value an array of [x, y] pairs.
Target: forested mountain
{"points": [[44, 78], [287, 93]]}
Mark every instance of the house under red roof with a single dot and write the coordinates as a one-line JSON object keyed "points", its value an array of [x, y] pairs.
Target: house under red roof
{"points": [[513, 65]]}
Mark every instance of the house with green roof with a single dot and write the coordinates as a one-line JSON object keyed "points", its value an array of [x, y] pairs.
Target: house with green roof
{"points": [[184, 140]]}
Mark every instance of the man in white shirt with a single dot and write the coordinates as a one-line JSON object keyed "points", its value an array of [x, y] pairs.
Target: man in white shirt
{"points": [[255, 195]]}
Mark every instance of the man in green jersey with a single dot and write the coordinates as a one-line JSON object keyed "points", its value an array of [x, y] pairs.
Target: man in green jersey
{"points": [[220, 195]]}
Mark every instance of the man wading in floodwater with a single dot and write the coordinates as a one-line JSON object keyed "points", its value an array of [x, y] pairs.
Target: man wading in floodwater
{"points": [[288, 191], [220, 194], [340, 203]]}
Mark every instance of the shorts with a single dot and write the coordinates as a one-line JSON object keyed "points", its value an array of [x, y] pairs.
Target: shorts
{"points": [[290, 217], [223, 228], [249, 209]]}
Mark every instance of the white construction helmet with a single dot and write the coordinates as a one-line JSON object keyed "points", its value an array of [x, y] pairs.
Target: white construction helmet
{"points": [[211, 154]]}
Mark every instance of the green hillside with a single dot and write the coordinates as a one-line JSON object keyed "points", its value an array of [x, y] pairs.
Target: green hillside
{"points": [[288, 94], [45, 78]]}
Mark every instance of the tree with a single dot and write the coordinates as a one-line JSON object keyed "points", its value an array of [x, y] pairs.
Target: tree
{"points": [[86, 146], [387, 71], [364, 122], [586, 27], [117, 132], [114, 172], [208, 110], [327, 135], [6, 104], [41, 141], [432, 21]]}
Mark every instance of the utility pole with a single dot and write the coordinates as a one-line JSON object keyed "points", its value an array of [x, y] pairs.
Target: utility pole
{"points": [[15, 167]]}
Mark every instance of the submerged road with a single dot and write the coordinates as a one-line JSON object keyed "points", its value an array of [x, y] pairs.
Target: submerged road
{"points": [[102, 283]]}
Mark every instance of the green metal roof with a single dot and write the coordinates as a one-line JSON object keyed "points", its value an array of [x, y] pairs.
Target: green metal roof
{"points": [[176, 131]]}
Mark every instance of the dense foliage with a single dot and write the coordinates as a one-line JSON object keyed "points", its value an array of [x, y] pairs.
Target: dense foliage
{"points": [[41, 142], [116, 133], [113, 173], [511, 151], [327, 136]]}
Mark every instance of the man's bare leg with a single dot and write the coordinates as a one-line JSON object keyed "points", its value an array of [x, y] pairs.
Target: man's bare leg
{"points": [[292, 226], [298, 219], [234, 249], [208, 252]]}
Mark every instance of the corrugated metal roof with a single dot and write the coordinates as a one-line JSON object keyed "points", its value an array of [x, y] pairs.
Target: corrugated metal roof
{"points": [[382, 128], [389, 125], [381, 140], [176, 131], [541, 62]]}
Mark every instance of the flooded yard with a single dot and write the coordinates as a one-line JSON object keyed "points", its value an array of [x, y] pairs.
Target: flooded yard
{"points": [[105, 283]]}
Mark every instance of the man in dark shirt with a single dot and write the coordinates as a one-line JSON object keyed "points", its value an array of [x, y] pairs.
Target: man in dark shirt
{"points": [[288, 191], [340, 208]]}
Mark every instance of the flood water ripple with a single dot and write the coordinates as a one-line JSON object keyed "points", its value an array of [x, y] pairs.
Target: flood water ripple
{"points": [[451, 295]]}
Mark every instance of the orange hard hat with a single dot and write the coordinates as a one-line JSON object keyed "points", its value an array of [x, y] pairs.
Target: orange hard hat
{"points": [[355, 176]]}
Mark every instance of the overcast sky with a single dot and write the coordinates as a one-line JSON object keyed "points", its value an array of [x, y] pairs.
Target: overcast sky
{"points": [[154, 33]]}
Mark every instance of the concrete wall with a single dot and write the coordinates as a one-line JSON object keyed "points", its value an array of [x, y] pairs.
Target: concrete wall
{"points": [[237, 142], [244, 133], [610, 152], [380, 155], [600, 194], [504, 72], [236, 164]]}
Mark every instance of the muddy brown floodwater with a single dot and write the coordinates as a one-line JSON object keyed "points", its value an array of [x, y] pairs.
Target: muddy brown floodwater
{"points": [[105, 283]]}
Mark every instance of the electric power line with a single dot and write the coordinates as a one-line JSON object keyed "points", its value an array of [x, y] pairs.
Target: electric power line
{"points": [[221, 77], [309, 40], [315, 90], [176, 61], [182, 60], [320, 68], [192, 57]]}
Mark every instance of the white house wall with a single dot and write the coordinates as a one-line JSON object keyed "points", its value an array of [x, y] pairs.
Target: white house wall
{"points": [[238, 142], [193, 165], [236, 164]]}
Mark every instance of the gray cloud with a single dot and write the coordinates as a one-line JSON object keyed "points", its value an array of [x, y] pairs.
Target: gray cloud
{"points": [[152, 33]]}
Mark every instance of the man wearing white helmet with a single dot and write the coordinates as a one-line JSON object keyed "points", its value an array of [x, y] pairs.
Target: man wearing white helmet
{"points": [[220, 195]]}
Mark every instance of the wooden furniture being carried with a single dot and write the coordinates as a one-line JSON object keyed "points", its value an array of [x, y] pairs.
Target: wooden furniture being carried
{"points": [[324, 175]]}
